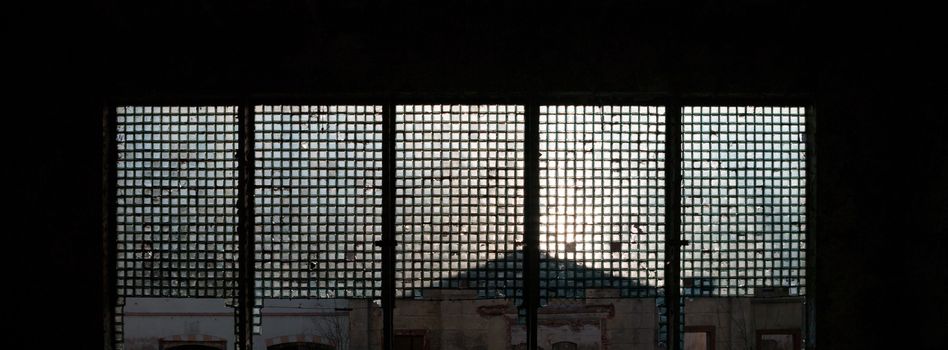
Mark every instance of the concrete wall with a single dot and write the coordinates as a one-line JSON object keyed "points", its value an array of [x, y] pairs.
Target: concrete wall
{"points": [[453, 319], [737, 320], [149, 320], [324, 321], [335, 322]]}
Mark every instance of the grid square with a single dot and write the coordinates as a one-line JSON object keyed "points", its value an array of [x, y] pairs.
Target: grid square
{"points": [[602, 187], [459, 198], [743, 198], [318, 201], [176, 201]]}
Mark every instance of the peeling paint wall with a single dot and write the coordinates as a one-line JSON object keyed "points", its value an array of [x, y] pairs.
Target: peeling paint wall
{"points": [[149, 320], [488, 324]]}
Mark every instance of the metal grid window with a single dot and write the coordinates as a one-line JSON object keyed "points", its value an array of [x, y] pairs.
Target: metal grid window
{"points": [[176, 199], [318, 201], [601, 199], [459, 198], [743, 200], [459, 201]]}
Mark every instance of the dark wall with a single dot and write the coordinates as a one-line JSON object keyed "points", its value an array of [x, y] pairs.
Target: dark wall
{"points": [[874, 75]]}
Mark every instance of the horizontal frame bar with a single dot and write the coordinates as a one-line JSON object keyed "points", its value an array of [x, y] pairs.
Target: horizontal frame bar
{"points": [[441, 98]]}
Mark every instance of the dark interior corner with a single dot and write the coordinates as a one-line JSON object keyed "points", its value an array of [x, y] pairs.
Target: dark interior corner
{"points": [[874, 75]]}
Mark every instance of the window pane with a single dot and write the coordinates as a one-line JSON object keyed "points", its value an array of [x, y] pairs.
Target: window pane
{"points": [[176, 219], [743, 201], [459, 188], [776, 342], [696, 341], [318, 200], [318, 213], [602, 211], [602, 223], [743, 198], [459, 221]]}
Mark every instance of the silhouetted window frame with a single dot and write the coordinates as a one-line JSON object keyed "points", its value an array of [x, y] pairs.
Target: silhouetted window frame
{"points": [[672, 103]]}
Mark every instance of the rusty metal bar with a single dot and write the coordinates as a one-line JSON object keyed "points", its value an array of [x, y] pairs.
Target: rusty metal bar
{"points": [[531, 239], [109, 203], [673, 222], [388, 241], [811, 228], [245, 227]]}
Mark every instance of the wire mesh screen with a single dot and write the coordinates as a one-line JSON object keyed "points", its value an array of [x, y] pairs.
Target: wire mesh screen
{"points": [[118, 324], [318, 201], [459, 199], [601, 200], [743, 200], [176, 201]]}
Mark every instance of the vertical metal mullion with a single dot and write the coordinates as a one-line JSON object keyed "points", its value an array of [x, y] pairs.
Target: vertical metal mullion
{"points": [[531, 239], [109, 223], [673, 222], [811, 229], [245, 227], [388, 225]]}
